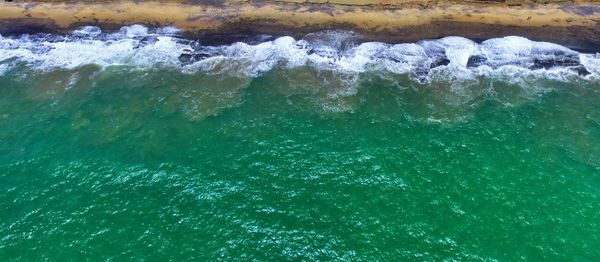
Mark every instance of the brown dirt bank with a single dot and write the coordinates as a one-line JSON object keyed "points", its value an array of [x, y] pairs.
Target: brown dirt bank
{"points": [[574, 23]]}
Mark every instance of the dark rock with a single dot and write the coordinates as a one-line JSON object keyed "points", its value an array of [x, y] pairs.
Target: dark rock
{"points": [[255, 40], [189, 57], [476, 61], [440, 62], [148, 40], [145, 40], [553, 62], [581, 70], [186, 58], [183, 41], [555, 58]]}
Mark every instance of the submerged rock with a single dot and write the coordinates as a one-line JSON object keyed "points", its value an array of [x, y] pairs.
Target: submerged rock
{"points": [[581, 70], [440, 62], [190, 57], [476, 61], [559, 60]]}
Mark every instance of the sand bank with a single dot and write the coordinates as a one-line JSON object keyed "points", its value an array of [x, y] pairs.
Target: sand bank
{"points": [[574, 24]]}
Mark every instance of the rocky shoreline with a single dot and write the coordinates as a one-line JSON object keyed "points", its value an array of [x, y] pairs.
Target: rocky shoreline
{"points": [[573, 24]]}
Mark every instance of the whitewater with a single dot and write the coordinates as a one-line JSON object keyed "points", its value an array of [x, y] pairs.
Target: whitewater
{"points": [[140, 47]]}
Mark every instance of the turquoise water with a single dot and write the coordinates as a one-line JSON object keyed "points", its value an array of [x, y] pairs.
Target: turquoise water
{"points": [[121, 162]]}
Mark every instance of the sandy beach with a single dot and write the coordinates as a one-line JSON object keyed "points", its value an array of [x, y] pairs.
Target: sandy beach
{"points": [[573, 24]]}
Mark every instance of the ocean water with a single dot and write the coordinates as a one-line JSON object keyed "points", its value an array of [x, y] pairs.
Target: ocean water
{"points": [[139, 144]]}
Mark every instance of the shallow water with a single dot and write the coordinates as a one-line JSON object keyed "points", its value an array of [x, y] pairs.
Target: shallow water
{"points": [[138, 154]]}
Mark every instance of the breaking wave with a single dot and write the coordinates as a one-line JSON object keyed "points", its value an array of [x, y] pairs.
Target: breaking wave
{"points": [[449, 58]]}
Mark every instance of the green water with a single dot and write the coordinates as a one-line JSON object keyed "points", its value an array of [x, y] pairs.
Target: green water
{"points": [[158, 165]]}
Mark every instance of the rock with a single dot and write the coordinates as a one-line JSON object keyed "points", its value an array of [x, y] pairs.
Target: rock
{"points": [[190, 57], [581, 70], [476, 61], [440, 62]]}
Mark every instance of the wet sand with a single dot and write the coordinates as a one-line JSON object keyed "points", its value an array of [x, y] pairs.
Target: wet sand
{"points": [[573, 24]]}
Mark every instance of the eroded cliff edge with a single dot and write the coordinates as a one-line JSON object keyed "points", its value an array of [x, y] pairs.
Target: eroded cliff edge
{"points": [[572, 23]]}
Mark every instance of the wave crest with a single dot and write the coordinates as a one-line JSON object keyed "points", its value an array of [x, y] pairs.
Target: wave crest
{"points": [[338, 51]]}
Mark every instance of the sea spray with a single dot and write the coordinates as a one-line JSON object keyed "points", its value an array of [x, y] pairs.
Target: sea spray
{"points": [[141, 47]]}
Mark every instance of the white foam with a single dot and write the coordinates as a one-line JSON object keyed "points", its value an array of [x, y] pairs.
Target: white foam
{"points": [[458, 49], [73, 54], [168, 31], [506, 50], [139, 47], [3, 69], [134, 30], [88, 31], [591, 62]]}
